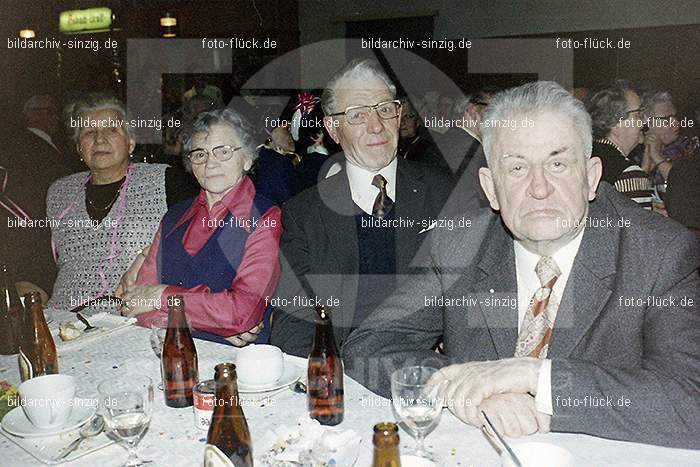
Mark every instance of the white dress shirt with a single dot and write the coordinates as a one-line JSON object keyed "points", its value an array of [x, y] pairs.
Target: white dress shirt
{"points": [[43, 135], [528, 283], [471, 133], [361, 188]]}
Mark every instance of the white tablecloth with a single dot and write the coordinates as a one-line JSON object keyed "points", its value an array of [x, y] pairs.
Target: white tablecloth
{"points": [[173, 440]]}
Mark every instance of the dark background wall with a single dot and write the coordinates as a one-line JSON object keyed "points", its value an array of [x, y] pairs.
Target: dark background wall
{"points": [[26, 72], [664, 52]]}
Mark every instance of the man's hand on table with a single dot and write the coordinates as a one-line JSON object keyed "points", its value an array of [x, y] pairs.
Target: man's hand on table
{"points": [[514, 415], [139, 299], [502, 388], [245, 338]]}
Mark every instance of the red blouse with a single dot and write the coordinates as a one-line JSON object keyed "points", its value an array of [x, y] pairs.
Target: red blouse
{"points": [[238, 308]]}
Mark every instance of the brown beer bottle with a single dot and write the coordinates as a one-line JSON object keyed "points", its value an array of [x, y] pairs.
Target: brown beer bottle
{"points": [[325, 373], [11, 314], [179, 357], [386, 445], [37, 350], [228, 439]]}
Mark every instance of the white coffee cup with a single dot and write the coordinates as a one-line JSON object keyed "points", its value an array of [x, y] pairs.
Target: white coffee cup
{"points": [[533, 454], [259, 365], [47, 400]]}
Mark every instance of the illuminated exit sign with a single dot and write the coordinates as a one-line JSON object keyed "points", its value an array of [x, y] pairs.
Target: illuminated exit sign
{"points": [[88, 20]]}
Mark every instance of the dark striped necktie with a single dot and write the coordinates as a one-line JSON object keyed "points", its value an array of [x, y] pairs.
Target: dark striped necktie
{"points": [[382, 203]]}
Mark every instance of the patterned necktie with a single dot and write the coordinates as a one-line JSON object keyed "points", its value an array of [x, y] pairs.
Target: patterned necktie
{"points": [[382, 203], [536, 331]]}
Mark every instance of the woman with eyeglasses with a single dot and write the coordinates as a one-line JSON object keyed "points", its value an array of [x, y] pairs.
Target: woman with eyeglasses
{"points": [[218, 250], [616, 117]]}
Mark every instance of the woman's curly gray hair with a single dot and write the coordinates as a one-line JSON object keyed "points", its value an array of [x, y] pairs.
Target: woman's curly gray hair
{"points": [[230, 117], [607, 105], [651, 98], [90, 103]]}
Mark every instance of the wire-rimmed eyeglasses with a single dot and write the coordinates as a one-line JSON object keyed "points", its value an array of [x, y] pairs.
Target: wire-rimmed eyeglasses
{"points": [[221, 154], [358, 114]]}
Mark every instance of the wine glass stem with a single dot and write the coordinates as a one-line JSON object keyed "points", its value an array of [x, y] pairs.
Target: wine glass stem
{"points": [[133, 458], [420, 437]]}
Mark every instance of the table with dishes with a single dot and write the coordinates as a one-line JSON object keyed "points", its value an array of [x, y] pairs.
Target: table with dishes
{"points": [[274, 413]]}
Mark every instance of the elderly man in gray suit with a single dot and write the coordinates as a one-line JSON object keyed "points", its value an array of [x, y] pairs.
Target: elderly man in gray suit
{"points": [[573, 310]]}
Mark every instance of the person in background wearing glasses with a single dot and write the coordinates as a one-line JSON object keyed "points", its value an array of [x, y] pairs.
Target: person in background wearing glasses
{"points": [[663, 143], [350, 237], [33, 149], [220, 250], [616, 112], [460, 149], [462, 143], [412, 144]]}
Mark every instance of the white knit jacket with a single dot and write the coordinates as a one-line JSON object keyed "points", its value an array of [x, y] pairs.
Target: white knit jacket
{"points": [[81, 247]]}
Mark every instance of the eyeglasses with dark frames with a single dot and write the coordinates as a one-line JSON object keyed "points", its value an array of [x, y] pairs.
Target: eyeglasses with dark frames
{"points": [[358, 114], [665, 118], [221, 154]]}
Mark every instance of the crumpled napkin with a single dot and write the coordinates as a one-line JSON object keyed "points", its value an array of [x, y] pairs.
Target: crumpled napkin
{"points": [[309, 444]]}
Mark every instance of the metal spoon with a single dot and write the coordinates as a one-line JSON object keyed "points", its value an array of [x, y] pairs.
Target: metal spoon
{"points": [[88, 327], [92, 428], [504, 446], [299, 387]]}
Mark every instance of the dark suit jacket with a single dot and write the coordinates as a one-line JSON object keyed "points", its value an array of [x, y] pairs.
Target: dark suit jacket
{"points": [[32, 166], [319, 248], [455, 149], [273, 176], [608, 339], [683, 193], [462, 156]]}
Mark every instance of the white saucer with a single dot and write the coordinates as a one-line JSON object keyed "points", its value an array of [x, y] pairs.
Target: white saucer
{"points": [[290, 376], [17, 423]]}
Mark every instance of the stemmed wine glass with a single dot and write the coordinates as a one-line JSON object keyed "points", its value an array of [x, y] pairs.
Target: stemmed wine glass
{"points": [[159, 327], [126, 403], [418, 409]]}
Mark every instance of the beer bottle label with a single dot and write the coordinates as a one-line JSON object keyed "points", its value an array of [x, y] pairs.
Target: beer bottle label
{"points": [[213, 457], [26, 371]]}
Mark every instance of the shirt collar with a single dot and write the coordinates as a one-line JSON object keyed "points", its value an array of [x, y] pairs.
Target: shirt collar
{"points": [[564, 257], [43, 135], [361, 188], [471, 133], [238, 202], [319, 149]]}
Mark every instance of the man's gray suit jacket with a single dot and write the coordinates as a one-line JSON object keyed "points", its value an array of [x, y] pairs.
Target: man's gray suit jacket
{"points": [[627, 330]]}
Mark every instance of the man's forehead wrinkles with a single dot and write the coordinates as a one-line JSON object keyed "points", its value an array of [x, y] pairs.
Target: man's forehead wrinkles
{"points": [[356, 97]]}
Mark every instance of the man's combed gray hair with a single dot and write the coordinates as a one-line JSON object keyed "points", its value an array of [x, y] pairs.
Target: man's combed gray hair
{"points": [[361, 70], [534, 98], [652, 98], [91, 103], [230, 117]]}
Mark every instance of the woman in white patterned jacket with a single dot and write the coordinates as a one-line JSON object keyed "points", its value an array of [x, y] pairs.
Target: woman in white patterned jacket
{"points": [[102, 219]]}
